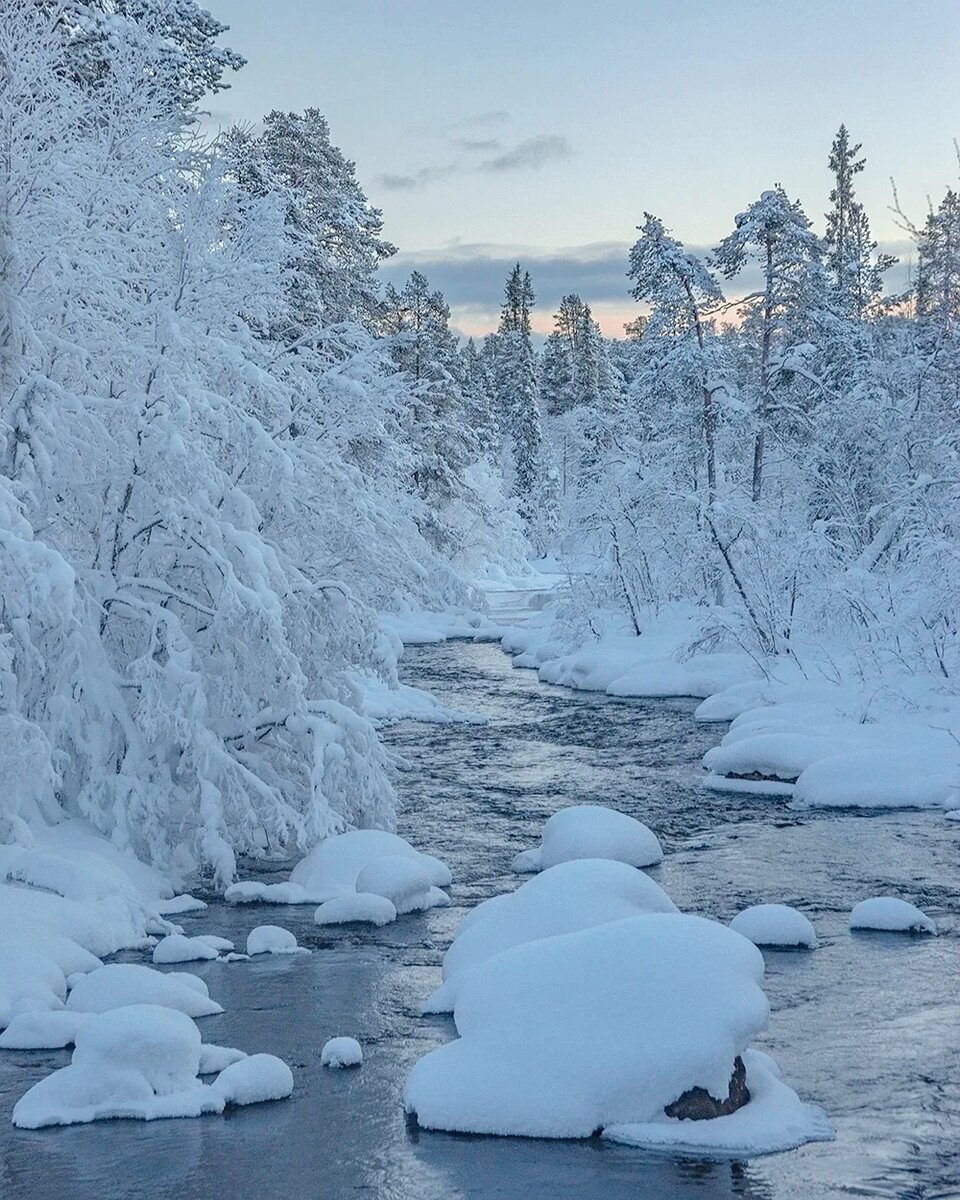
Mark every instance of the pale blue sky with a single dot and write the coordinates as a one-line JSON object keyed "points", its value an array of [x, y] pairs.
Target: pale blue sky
{"points": [[541, 129]]}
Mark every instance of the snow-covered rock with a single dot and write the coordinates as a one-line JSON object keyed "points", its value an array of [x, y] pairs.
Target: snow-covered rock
{"points": [[250, 891], [775, 1119], [881, 777], [405, 882], [333, 865], [118, 984], [272, 939], [605, 1027], [253, 1080], [775, 925], [330, 870], [175, 948], [591, 831], [214, 1059], [356, 907], [142, 1061], [890, 914], [562, 899], [42, 1030], [341, 1052]]}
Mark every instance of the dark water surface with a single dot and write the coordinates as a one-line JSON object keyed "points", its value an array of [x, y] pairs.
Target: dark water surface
{"points": [[868, 1025]]}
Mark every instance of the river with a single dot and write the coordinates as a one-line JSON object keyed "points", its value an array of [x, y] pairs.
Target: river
{"points": [[867, 1025]]}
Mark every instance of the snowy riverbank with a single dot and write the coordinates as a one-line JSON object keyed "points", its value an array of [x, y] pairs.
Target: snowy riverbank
{"points": [[817, 728]]}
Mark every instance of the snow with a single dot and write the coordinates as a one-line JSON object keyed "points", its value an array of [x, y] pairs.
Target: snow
{"points": [[331, 869], [602, 1027], [253, 1080], [905, 777], [774, 1120], [42, 1030], [272, 939], [565, 898], [341, 1052], [215, 1058], [891, 914], [175, 948], [775, 925], [253, 892], [142, 1060], [118, 984], [591, 831], [358, 906], [405, 882], [180, 904]]}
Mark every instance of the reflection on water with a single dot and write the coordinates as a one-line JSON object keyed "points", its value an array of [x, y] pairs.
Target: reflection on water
{"points": [[868, 1026]]}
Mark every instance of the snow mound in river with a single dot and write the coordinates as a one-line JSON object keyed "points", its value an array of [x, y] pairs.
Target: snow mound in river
{"points": [[358, 907], [272, 939], [775, 925], [330, 870], [406, 882], [565, 898], [892, 915], [175, 948], [119, 984], [341, 1052], [604, 1027], [143, 1061], [591, 831]]}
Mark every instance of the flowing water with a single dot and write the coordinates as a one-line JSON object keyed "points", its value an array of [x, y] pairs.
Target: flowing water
{"points": [[868, 1025]]}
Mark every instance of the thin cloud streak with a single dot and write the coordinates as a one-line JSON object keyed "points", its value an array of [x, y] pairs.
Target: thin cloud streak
{"points": [[531, 154]]}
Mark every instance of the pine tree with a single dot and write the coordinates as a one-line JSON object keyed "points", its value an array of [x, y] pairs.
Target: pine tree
{"points": [[518, 389], [855, 268], [775, 234], [334, 232], [680, 289]]}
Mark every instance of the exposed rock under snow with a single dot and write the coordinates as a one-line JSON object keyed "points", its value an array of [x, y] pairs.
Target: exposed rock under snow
{"points": [[606, 1028]]}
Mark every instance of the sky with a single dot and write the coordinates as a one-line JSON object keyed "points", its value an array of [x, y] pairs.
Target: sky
{"points": [[541, 130]]}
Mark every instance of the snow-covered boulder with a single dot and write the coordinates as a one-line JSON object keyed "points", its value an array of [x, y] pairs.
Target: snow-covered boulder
{"points": [[882, 777], [357, 907], [405, 882], [341, 1052], [608, 1027], [891, 915], [250, 891], [43, 1030], [330, 871], [331, 868], [562, 899], [591, 831], [775, 925], [253, 1079], [272, 939], [175, 948], [143, 1061], [119, 984]]}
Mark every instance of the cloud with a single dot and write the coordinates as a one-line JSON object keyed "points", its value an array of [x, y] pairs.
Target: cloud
{"points": [[530, 154], [478, 144], [421, 178]]}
